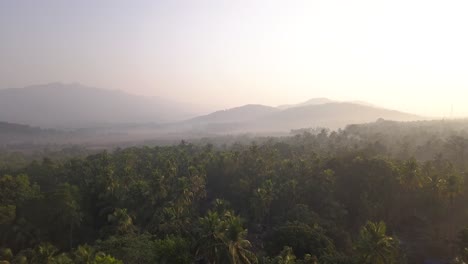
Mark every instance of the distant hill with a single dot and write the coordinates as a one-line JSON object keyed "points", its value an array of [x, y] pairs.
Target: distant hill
{"points": [[331, 115], [251, 119], [440, 128], [362, 103], [313, 101], [75, 105], [264, 119], [237, 114], [320, 101], [11, 133], [84, 113], [18, 129]]}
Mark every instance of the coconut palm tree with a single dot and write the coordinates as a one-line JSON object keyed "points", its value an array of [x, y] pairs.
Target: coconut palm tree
{"points": [[234, 239], [223, 239], [84, 254], [121, 221], [209, 244], [411, 177], [44, 253], [453, 186], [375, 247], [285, 257]]}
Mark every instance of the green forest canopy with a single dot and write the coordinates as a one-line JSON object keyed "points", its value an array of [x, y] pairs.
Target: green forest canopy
{"points": [[384, 192]]}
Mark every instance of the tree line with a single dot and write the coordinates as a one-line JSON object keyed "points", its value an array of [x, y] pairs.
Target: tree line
{"points": [[315, 197]]}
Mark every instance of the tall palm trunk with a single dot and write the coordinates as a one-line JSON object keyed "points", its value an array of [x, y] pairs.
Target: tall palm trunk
{"points": [[71, 234]]}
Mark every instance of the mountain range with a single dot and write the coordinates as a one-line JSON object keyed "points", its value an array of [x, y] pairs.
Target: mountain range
{"points": [[259, 118], [74, 106], [313, 101]]}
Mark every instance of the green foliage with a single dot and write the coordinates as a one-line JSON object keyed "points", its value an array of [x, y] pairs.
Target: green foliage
{"points": [[375, 247], [173, 249], [121, 222], [44, 253], [106, 259], [16, 190], [84, 254], [6, 254], [463, 245], [222, 238], [286, 256], [302, 238], [88, 255], [130, 248], [7, 214], [300, 199]]}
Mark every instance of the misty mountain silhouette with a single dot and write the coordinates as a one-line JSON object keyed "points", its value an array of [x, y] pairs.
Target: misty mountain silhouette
{"points": [[313, 101], [76, 105], [331, 115], [259, 118], [237, 114], [58, 105]]}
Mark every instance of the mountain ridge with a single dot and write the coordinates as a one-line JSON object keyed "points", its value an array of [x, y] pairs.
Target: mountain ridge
{"points": [[311, 101], [58, 105], [333, 115], [269, 119], [236, 114], [75, 105]]}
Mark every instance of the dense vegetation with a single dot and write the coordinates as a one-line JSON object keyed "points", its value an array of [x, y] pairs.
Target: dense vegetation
{"points": [[378, 193]]}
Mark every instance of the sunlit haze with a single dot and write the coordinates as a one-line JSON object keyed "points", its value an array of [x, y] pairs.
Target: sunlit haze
{"points": [[406, 55]]}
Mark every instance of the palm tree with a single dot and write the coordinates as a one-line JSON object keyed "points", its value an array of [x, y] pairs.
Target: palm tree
{"points": [[222, 239], [410, 177], [453, 186], [234, 239], [84, 254], [6, 254], [458, 145], [263, 197], [375, 247], [285, 257], [44, 253], [209, 245], [105, 259], [67, 211], [122, 221]]}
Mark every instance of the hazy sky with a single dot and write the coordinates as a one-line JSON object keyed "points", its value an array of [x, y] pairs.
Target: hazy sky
{"points": [[404, 54]]}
